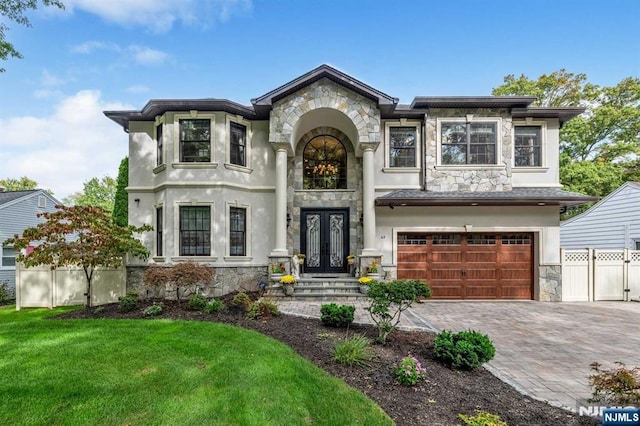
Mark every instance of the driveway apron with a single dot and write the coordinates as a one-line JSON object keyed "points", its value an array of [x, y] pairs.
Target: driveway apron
{"points": [[543, 349]]}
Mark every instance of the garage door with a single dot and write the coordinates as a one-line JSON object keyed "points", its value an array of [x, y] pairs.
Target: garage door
{"points": [[469, 266]]}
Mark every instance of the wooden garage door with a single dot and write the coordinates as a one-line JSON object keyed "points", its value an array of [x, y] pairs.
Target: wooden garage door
{"points": [[469, 266]]}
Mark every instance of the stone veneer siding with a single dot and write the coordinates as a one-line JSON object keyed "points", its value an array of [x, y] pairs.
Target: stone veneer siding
{"points": [[363, 112], [227, 280], [550, 281], [446, 178], [350, 198]]}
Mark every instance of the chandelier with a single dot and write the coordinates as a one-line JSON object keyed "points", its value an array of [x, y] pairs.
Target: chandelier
{"points": [[325, 169]]}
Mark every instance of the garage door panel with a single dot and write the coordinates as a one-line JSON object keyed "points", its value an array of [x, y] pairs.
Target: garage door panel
{"points": [[471, 266]]}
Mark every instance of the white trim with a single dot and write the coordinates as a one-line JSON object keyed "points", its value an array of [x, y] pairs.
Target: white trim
{"points": [[543, 167], [193, 115], [238, 119], [176, 230], [2, 266], [247, 235], [42, 202], [160, 122], [208, 185], [403, 122], [498, 123]]}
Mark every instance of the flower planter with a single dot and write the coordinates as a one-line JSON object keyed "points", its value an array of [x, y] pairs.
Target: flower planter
{"points": [[364, 289], [276, 277], [374, 275], [288, 289]]}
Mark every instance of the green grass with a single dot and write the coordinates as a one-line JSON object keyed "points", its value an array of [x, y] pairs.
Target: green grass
{"points": [[116, 372]]}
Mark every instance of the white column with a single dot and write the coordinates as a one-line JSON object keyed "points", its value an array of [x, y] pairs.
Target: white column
{"points": [[368, 199], [280, 248]]}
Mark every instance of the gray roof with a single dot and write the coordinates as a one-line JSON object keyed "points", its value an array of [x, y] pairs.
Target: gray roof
{"points": [[516, 197], [8, 196]]}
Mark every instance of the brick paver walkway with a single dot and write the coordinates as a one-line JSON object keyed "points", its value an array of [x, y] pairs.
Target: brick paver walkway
{"points": [[542, 349]]}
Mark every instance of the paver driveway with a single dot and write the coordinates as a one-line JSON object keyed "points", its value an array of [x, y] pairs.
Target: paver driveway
{"points": [[543, 349]]}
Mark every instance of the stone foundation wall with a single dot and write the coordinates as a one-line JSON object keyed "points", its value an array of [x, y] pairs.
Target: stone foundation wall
{"points": [[550, 279], [226, 280]]}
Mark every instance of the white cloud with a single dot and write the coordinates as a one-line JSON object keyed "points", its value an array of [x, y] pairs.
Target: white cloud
{"points": [[160, 15], [89, 46], [147, 56], [63, 150]]}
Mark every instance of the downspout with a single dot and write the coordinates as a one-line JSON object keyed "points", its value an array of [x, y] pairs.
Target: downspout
{"points": [[423, 153]]}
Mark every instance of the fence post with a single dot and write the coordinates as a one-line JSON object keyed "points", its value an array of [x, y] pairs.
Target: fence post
{"points": [[625, 274], [18, 285], [591, 274]]}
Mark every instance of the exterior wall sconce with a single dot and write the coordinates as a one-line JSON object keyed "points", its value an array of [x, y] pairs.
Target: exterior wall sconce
{"points": [[361, 218], [288, 220], [137, 200]]}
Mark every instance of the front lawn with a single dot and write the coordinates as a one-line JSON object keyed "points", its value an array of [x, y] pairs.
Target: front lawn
{"points": [[135, 372]]}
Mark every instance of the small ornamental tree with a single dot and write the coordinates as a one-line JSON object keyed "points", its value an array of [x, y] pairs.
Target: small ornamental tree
{"points": [[387, 301], [181, 276], [82, 236]]}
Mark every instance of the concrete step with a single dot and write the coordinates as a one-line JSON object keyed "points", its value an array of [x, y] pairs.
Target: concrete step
{"points": [[334, 288]]}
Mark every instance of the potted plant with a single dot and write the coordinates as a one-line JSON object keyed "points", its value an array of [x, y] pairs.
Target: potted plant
{"points": [[351, 258], [287, 282], [372, 270], [363, 284], [277, 270]]}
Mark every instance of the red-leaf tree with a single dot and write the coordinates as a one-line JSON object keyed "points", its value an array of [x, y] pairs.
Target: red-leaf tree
{"points": [[79, 236]]}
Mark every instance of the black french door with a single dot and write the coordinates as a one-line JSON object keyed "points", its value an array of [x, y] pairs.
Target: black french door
{"points": [[325, 239]]}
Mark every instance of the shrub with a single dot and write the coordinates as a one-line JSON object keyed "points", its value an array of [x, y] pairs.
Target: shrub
{"points": [[180, 276], [352, 351], [128, 302], [262, 309], [333, 315], [214, 306], [197, 302], [387, 302], [241, 300], [4, 294], [463, 350], [618, 386], [410, 371], [482, 418], [153, 310], [422, 289]]}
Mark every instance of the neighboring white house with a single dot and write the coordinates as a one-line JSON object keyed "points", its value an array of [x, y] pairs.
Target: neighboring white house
{"points": [[18, 211], [612, 223], [461, 191]]}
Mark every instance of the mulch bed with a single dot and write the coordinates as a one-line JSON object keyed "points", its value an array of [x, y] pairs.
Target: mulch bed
{"points": [[436, 401]]}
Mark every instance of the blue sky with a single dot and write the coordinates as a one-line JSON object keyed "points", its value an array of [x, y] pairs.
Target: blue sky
{"points": [[118, 54]]}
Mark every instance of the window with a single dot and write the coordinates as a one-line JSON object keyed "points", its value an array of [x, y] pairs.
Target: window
{"points": [[195, 141], [159, 224], [528, 146], [516, 240], [325, 164], [402, 146], [468, 143], [8, 257], [481, 240], [237, 231], [637, 244], [42, 201], [195, 231], [446, 240], [159, 145], [238, 144]]}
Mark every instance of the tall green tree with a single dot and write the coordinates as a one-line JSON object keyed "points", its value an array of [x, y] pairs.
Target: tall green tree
{"points": [[121, 204], [599, 148], [14, 11], [96, 192], [82, 236], [21, 184]]}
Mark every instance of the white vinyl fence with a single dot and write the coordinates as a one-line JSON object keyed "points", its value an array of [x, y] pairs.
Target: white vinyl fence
{"points": [[43, 287], [592, 275]]}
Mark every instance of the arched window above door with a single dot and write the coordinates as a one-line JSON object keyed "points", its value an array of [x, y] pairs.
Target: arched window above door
{"points": [[325, 163]]}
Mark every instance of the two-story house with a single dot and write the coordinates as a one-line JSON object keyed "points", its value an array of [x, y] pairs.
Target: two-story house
{"points": [[461, 191], [19, 211]]}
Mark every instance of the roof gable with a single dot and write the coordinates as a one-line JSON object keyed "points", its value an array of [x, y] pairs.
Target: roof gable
{"points": [[325, 71], [10, 198], [599, 204]]}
